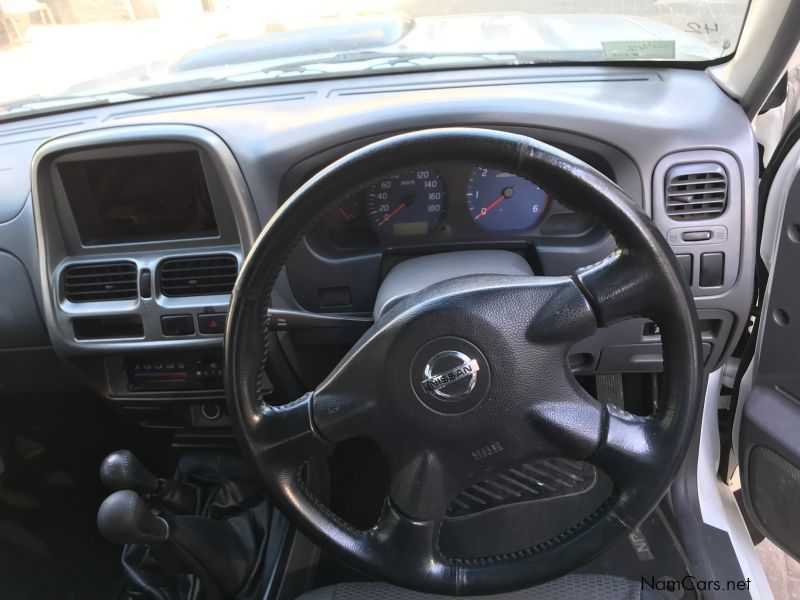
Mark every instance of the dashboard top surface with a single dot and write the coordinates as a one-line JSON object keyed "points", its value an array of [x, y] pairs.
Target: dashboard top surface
{"points": [[285, 123]]}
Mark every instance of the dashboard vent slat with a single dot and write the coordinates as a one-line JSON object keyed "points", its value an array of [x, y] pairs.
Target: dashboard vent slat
{"points": [[101, 281], [704, 202], [696, 191], [198, 275]]}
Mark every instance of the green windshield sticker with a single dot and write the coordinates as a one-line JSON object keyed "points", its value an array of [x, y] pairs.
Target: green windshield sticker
{"points": [[654, 49]]}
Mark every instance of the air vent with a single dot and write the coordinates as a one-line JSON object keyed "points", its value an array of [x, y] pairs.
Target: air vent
{"points": [[696, 191], [100, 281], [198, 275]]}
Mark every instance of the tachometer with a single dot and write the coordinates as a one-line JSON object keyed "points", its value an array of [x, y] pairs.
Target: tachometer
{"points": [[501, 201], [409, 203]]}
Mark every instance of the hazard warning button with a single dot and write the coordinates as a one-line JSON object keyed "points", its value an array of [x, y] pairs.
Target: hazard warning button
{"points": [[212, 323]]}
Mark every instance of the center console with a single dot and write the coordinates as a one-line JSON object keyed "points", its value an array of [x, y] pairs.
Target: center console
{"points": [[141, 231]]}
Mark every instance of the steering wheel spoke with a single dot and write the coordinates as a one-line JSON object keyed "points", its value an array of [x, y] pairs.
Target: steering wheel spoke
{"points": [[566, 317], [423, 483], [339, 417], [573, 425], [624, 446], [619, 287], [410, 544], [628, 448], [285, 435]]}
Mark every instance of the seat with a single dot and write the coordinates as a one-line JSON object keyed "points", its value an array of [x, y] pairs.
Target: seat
{"points": [[570, 587]]}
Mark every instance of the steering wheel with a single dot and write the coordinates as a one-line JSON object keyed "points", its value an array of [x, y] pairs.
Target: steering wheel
{"points": [[504, 342]]}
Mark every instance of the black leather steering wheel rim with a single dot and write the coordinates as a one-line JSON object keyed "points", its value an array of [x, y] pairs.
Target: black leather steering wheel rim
{"points": [[641, 455]]}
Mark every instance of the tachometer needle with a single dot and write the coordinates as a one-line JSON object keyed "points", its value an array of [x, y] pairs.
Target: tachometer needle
{"points": [[386, 218], [507, 193], [347, 216]]}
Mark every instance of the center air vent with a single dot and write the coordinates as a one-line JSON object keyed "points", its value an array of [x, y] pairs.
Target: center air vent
{"points": [[198, 275], [100, 281], [696, 191]]}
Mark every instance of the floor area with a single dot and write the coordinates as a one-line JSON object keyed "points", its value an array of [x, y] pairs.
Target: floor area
{"points": [[50, 491], [783, 572], [49, 494]]}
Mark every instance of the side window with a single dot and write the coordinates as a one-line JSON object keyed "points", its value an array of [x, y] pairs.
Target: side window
{"points": [[780, 107]]}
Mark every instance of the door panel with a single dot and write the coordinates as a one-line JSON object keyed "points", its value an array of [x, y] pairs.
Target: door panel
{"points": [[768, 446]]}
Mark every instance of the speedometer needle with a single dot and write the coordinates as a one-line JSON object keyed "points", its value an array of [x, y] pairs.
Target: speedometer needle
{"points": [[507, 193], [388, 216]]}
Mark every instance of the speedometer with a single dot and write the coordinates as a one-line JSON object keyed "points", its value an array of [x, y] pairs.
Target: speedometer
{"points": [[409, 203], [500, 201]]}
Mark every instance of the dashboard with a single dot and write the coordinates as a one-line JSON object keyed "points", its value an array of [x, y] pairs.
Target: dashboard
{"points": [[122, 228]]}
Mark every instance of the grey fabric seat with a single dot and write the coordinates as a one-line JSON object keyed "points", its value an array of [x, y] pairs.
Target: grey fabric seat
{"points": [[570, 587]]}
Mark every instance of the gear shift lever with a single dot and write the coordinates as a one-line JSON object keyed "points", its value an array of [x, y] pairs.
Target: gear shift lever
{"points": [[121, 470], [125, 518], [183, 542]]}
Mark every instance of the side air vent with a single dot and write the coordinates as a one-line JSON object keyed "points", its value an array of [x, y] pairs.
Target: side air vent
{"points": [[100, 281], [198, 275], [696, 191]]}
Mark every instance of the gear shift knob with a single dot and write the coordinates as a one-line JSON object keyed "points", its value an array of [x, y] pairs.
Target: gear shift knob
{"points": [[124, 518], [121, 470]]}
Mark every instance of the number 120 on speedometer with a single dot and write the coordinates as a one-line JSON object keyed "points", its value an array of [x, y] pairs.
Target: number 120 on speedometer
{"points": [[409, 203]]}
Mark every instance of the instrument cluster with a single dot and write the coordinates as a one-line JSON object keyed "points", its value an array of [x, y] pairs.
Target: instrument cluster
{"points": [[446, 204]]}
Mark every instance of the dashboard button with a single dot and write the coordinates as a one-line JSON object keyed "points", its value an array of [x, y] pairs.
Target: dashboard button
{"points": [[696, 236], [212, 323], [685, 261], [174, 325], [712, 269]]}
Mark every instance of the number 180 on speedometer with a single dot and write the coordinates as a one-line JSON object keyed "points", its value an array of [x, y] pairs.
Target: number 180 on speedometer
{"points": [[410, 203]]}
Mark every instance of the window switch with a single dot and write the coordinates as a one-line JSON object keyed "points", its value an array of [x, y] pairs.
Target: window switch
{"points": [[712, 269], [685, 261]]}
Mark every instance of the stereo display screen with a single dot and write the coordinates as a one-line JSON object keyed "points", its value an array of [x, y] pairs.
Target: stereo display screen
{"points": [[139, 198]]}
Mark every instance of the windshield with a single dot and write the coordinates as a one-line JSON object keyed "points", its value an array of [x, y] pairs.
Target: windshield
{"points": [[61, 54]]}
